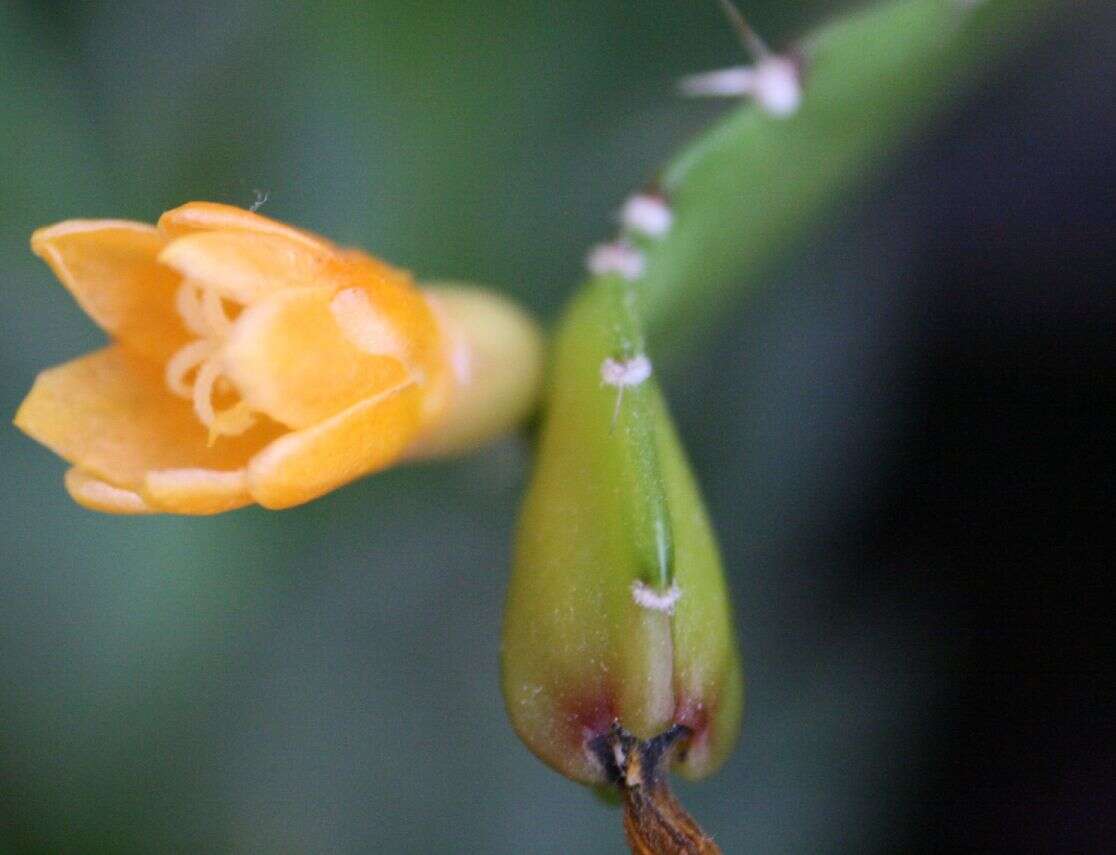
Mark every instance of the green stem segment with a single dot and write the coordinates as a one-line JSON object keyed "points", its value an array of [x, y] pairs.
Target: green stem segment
{"points": [[612, 332], [617, 607], [618, 612], [747, 189]]}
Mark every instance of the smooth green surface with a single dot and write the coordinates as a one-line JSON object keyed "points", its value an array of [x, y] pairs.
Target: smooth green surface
{"points": [[612, 505]]}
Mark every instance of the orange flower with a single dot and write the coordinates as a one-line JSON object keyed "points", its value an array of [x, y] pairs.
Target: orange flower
{"points": [[255, 362]]}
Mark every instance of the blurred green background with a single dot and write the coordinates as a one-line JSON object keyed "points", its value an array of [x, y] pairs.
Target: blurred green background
{"points": [[325, 679]]}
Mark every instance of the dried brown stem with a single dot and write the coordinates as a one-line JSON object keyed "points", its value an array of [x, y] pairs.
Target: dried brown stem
{"points": [[654, 821]]}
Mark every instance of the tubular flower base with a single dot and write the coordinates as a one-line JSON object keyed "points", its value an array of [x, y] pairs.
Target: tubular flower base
{"points": [[254, 362]]}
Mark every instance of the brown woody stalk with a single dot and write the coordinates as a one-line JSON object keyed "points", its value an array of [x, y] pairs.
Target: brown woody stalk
{"points": [[655, 823]]}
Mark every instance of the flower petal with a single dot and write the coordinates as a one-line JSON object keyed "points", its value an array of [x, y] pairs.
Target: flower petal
{"points": [[110, 414], [244, 266], [97, 495], [394, 294], [111, 269], [288, 357], [395, 297], [367, 437], [213, 216], [197, 491]]}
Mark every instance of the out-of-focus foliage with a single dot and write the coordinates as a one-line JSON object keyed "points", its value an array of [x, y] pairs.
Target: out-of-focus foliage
{"points": [[325, 679]]}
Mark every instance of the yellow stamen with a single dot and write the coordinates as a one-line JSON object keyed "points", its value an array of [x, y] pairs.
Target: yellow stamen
{"points": [[214, 312], [203, 312], [229, 422], [232, 421], [188, 304], [203, 392], [183, 362]]}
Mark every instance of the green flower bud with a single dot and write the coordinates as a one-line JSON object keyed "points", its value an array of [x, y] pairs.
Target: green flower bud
{"points": [[617, 611]]}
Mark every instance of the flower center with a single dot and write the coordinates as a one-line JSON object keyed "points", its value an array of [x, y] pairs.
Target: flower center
{"points": [[195, 371]]}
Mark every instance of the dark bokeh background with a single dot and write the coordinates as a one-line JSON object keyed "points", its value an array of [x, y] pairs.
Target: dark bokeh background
{"points": [[904, 437]]}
